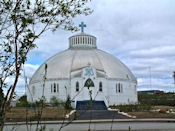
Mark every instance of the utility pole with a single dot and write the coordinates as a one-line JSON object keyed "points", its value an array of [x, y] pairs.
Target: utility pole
{"points": [[174, 77], [150, 76]]}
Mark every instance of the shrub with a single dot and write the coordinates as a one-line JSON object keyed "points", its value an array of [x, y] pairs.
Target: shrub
{"points": [[68, 103], [166, 99], [22, 101], [55, 102]]}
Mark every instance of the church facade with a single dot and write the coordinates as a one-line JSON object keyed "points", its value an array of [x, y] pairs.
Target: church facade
{"points": [[84, 72]]}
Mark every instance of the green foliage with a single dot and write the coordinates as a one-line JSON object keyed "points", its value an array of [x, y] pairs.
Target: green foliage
{"points": [[167, 99], [22, 22], [68, 103], [55, 102], [40, 103], [132, 107], [75, 116], [22, 101]]}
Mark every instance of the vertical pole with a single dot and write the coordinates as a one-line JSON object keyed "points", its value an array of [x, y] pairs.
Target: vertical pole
{"points": [[150, 76], [174, 77]]}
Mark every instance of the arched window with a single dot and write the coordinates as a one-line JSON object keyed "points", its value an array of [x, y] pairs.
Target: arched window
{"points": [[54, 88], [51, 87], [77, 86], [100, 86], [89, 83], [119, 87]]}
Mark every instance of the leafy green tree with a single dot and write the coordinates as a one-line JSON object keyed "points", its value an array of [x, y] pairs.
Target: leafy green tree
{"points": [[22, 22], [22, 101]]}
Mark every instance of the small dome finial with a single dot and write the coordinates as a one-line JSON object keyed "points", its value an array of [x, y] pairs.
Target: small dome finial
{"points": [[82, 25]]}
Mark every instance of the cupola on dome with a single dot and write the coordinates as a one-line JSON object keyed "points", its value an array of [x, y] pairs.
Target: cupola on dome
{"points": [[82, 40]]}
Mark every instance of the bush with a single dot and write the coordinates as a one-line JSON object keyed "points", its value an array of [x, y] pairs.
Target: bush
{"points": [[68, 103], [22, 102], [55, 102], [167, 99]]}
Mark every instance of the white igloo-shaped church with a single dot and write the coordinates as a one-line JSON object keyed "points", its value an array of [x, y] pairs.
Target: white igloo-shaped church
{"points": [[72, 71]]}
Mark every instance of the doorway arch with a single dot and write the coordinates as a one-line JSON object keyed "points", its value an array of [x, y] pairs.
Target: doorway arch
{"points": [[89, 83]]}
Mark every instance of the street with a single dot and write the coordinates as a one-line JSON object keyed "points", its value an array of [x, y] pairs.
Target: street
{"points": [[101, 126]]}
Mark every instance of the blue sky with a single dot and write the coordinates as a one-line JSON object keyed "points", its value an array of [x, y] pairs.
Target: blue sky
{"points": [[141, 33]]}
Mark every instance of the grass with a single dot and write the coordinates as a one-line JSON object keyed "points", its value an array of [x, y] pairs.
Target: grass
{"points": [[151, 115], [144, 111], [56, 113], [163, 107], [132, 107], [49, 113]]}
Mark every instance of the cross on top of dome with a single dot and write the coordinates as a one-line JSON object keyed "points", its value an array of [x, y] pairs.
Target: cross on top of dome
{"points": [[82, 25], [82, 40]]}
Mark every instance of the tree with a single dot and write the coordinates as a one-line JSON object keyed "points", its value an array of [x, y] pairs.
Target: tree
{"points": [[22, 101], [22, 22]]}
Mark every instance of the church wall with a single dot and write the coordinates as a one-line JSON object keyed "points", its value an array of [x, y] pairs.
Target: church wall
{"points": [[35, 92], [108, 94], [128, 95], [60, 94]]}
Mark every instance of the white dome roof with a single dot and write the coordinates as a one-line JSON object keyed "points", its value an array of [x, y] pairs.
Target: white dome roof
{"points": [[61, 64]]}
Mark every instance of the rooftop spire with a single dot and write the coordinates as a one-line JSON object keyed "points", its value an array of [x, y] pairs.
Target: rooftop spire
{"points": [[82, 25]]}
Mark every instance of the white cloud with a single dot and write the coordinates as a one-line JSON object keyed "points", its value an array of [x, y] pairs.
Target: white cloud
{"points": [[30, 69], [20, 88]]}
